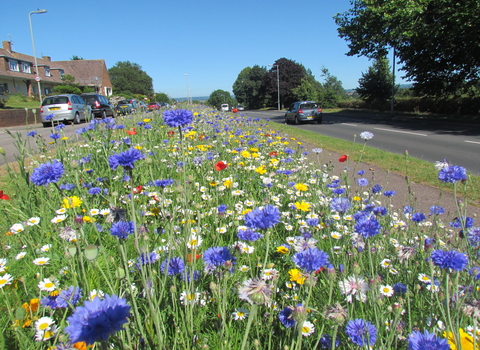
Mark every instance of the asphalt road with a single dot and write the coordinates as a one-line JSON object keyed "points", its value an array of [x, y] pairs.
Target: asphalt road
{"points": [[426, 140]]}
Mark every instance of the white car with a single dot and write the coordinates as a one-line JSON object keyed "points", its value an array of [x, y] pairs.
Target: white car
{"points": [[224, 107]]}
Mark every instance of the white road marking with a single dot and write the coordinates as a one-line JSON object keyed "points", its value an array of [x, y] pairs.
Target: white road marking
{"points": [[349, 124], [402, 132], [472, 141]]}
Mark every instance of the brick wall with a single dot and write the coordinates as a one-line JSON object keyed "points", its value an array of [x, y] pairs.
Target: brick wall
{"points": [[14, 117]]}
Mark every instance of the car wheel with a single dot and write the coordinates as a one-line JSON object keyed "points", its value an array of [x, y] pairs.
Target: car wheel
{"points": [[76, 119], [297, 122], [286, 120], [104, 114]]}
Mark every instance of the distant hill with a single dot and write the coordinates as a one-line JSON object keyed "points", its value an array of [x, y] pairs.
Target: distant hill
{"points": [[402, 86], [197, 98]]}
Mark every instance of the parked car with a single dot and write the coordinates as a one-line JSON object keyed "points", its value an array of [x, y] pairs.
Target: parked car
{"points": [[101, 106], [125, 107], [154, 106], [65, 107], [240, 107], [304, 111], [224, 107], [142, 106], [164, 104]]}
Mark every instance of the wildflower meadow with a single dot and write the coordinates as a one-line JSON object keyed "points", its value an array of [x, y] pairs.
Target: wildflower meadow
{"points": [[198, 229]]}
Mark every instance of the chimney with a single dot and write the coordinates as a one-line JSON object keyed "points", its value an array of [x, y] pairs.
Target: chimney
{"points": [[7, 45], [47, 58]]}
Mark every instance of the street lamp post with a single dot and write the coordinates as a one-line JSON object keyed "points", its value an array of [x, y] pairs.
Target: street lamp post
{"points": [[188, 99], [278, 83], [37, 77]]}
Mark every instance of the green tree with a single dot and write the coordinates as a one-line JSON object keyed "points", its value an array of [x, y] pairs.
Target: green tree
{"points": [[375, 85], [332, 90], [247, 87], [68, 87], [437, 41], [76, 58], [218, 97], [290, 77], [161, 97], [129, 77], [309, 89]]}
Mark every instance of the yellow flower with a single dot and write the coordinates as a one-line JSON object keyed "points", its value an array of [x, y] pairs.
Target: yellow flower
{"points": [[246, 211], [146, 120], [64, 138], [253, 149], [228, 183], [245, 154], [282, 249], [301, 187], [87, 219], [138, 147], [72, 202], [357, 198], [213, 183], [202, 148], [255, 155], [261, 169], [466, 341], [303, 206], [297, 276]]}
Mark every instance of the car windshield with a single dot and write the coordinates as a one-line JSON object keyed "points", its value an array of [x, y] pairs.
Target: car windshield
{"points": [[308, 105], [55, 100], [89, 99], [124, 102]]}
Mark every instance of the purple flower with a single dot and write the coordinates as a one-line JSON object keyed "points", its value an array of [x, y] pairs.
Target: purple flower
{"points": [[163, 183], [463, 221], [177, 117], [418, 217], [286, 317], [310, 259], [173, 266], [64, 299], [473, 236], [449, 260], [122, 229], [362, 181], [249, 235], [389, 193], [340, 204], [399, 288], [452, 174], [32, 133], [95, 190], [67, 186], [376, 188], [368, 226], [437, 210], [380, 210], [426, 341], [262, 219], [125, 159], [55, 136], [361, 332], [97, 320], [47, 173]]}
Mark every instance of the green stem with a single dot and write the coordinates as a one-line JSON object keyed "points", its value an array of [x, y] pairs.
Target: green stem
{"points": [[253, 314]]}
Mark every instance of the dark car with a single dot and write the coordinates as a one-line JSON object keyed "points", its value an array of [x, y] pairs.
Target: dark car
{"points": [[125, 107], [154, 106], [101, 106], [304, 111]]}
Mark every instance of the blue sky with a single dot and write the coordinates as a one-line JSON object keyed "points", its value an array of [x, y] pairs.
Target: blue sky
{"points": [[210, 40]]}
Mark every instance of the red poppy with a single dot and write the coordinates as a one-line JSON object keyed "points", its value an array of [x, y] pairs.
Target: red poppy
{"points": [[201, 137], [138, 189], [190, 257], [220, 166], [4, 196], [343, 158], [273, 154], [132, 131], [171, 133]]}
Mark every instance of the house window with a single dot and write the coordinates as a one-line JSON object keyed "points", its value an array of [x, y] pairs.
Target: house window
{"points": [[61, 72], [47, 71], [13, 65], [3, 88], [26, 67]]}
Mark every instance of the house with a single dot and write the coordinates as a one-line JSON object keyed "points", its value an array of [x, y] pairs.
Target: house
{"points": [[17, 73]]}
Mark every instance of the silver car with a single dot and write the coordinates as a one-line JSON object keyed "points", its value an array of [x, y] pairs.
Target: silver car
{"points": [[304, 111], [63, 108]]}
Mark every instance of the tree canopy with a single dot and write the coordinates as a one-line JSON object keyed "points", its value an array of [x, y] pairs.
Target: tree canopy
{"points": [[375, 85], [129, 77], [437, 41], [218, 97], [247, 87]]}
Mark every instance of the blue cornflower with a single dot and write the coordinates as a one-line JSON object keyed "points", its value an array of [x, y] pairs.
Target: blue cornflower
{"points": [[222, 208], [122, 229], [289, 151], [59, 126], [473, 236], [125, 159], [399, 288], [95, 190], [389, 193], [248, 235], [362, 181], [55, 136], [361, 332], [475, 272], [376, 188], [312, 222], [217, 256], [380, 210], [262, 219], [368, 226], [67, 186], [437, 210], [452, 174], [173, 266], [163, 183], [68, 297], [50, 117], [146, 259], [310, 259], [286, 317], [361, 172], [408, 209], [32, 133], [418, 217], [177, 117], [47, 173], [340, 204], [326, 342], [97, 320], [338, 191], [450, 260], [426, 341], [458, 222]]}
